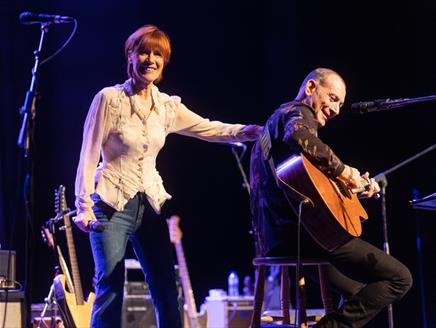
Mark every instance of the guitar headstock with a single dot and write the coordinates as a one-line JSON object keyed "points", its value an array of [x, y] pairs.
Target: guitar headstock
{"points": [[175, 231], [60, 201], [60, 205], [47, 237]]}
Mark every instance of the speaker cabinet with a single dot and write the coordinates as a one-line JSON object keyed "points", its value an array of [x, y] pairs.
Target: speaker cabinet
{"points": [[7, 277], [12, 301]]}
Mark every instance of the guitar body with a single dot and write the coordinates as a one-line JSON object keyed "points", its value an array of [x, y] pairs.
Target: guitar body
{"points": [[200, 321], [74, 315], [335, 215]]}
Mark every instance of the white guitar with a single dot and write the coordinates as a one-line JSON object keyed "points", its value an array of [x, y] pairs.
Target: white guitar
{"points": [[75, 309], [195, 320]]}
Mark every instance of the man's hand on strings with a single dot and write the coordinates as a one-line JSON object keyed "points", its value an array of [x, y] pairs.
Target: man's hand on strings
{"points": [[371, 189]]}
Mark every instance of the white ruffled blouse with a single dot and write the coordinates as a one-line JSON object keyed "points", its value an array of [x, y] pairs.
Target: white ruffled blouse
{"points": [[129, 138]]}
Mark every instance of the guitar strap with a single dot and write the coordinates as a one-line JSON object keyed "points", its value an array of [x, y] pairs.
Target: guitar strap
{"points": [[266, 145]]}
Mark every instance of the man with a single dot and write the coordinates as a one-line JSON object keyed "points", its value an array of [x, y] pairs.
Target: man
{"points": [[367, 278]]}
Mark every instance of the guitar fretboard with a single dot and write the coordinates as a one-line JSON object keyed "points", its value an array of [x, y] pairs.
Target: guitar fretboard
{"points": [[186, 285], [73, 261]]}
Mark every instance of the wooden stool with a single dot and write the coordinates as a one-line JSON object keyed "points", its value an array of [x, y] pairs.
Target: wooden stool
{"points": [[285, 300]]}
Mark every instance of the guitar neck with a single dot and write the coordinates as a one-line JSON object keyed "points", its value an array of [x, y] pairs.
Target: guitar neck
{"points": [[186, 285], [73, 261]]}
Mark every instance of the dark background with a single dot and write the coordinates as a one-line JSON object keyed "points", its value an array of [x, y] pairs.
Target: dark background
{"points": [[235, 61]]}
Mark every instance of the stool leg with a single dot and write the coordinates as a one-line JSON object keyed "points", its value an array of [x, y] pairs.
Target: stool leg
{"points": [[301, 299], [258, 297], [285, 294], [325, 292]]}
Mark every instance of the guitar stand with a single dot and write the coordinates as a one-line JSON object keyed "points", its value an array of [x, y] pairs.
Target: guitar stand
{"points": [[50, 300]]}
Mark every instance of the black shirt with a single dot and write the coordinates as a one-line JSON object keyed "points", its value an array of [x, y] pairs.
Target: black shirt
{"points": [[293, 130]]}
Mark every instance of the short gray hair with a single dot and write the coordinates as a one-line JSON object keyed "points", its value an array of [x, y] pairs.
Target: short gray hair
{"points": [[319, 75]]}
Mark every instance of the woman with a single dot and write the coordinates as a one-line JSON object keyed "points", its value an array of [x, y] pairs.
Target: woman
{"points": [[128, 124]]}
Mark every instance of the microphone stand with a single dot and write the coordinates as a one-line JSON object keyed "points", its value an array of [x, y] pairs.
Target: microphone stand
{"points": [[381, 178], [238, 158], [26, 141], [246, 185]]}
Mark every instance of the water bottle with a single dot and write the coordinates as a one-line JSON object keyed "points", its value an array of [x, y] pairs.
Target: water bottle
{"points": [[248, 289], [233, 284]]}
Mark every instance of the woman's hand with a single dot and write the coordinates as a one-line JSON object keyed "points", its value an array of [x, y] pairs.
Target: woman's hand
{"points": [[252, 132], [82, 220]]}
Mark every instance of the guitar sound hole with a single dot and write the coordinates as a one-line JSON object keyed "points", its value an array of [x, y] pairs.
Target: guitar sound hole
{"points": [[343, 190]]}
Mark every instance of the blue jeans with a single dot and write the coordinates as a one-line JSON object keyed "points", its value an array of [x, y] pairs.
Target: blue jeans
{"points": [[149, 236]]}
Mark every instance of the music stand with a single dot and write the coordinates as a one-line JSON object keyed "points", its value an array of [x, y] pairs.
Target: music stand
{"points": [[425, 203]]}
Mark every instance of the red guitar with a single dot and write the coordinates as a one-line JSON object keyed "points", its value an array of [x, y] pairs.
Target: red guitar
{"points": [[335, 215]]}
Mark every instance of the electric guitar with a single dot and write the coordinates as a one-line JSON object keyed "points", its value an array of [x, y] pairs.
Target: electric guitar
{"points": [[195, 320], [48, 238], [333, 213], [75, 310]]}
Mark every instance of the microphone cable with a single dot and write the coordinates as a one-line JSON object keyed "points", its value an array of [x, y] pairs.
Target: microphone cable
{"points": [[63, 45]]}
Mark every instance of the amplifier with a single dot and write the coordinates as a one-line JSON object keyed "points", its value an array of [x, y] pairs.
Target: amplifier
{"points": [[7, 279], [136, 288], [138, 311], [228, 311], [13, 308]]}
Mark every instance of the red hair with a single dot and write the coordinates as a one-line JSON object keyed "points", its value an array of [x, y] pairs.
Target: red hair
{"points": [[147, 38]]}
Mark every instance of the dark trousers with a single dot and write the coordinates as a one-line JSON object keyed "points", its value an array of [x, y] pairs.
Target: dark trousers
{"points": [[367, 278], [149, 236]]}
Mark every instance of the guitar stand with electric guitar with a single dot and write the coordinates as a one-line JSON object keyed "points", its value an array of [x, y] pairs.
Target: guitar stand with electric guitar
{"points": [[66, 288], [47, 234]]}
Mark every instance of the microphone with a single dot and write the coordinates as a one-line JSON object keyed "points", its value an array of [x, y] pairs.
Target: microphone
{"points": [[377, 105], [362, 107], [96, 226], [28, 18]]}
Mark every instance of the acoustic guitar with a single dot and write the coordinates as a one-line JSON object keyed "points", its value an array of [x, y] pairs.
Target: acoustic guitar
{"points": [[194, 319], [333, 213], [75, 310]]}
